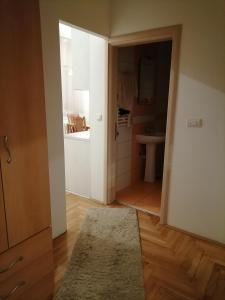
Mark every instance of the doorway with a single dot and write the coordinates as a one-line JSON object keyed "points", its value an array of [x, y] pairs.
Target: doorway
{"points": [[146, 188], [84, 108]]}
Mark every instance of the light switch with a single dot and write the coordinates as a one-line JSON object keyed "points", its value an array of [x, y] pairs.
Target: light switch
{"points": [[99, 117], [196, 123]]}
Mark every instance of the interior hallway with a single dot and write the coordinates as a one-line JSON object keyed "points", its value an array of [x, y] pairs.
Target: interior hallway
{"points": [[143, 196], [176, 265]]}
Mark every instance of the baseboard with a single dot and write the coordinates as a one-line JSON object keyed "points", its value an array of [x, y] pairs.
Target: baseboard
{"points": [[200, 237]]}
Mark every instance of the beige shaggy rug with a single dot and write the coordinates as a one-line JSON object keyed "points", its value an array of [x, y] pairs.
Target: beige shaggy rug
{"points": [[106, 260]]}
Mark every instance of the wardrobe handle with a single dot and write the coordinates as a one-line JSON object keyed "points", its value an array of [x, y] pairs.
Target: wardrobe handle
{"points": [[6, 145], [11, 265], [13, 290]]}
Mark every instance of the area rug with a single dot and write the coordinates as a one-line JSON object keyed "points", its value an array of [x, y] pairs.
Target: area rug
{"points": [[106, 261]]}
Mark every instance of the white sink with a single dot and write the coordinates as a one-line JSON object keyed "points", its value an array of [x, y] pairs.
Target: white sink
{"points": [[151, 141]]}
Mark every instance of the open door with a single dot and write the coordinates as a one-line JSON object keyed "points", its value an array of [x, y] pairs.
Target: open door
{"points": [[112, 129]]}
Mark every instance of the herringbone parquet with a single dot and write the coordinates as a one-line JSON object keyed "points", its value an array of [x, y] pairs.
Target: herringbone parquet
{"points": [[176, 265]]}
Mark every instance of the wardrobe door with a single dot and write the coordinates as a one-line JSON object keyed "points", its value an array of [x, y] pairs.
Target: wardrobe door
{"points": [[3, 232], [22, 121]]}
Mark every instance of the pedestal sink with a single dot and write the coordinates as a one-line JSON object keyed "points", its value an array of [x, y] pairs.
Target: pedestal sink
{"points": [[150, 141]]}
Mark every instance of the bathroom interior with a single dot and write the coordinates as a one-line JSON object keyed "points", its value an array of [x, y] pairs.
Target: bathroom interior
{"points": [[143, 75]]}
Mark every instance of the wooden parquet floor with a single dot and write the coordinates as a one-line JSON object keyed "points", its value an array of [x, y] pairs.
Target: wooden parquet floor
{"points": [[176, 265]]}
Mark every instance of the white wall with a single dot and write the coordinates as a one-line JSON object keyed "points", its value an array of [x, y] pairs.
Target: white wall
{"points": [[77, 165], [98, 116], [88, 14], [197, 192], [80, 58]]}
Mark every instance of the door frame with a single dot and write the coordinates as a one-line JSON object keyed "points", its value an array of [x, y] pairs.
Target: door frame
{"points": [[172, 33]]}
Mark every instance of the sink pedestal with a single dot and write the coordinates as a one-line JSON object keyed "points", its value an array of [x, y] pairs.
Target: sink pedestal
{"points": [[150, 141], [150, 163]]}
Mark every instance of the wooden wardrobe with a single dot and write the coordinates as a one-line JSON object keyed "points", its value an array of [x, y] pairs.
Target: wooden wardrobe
{"points": [[26, 265]]}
